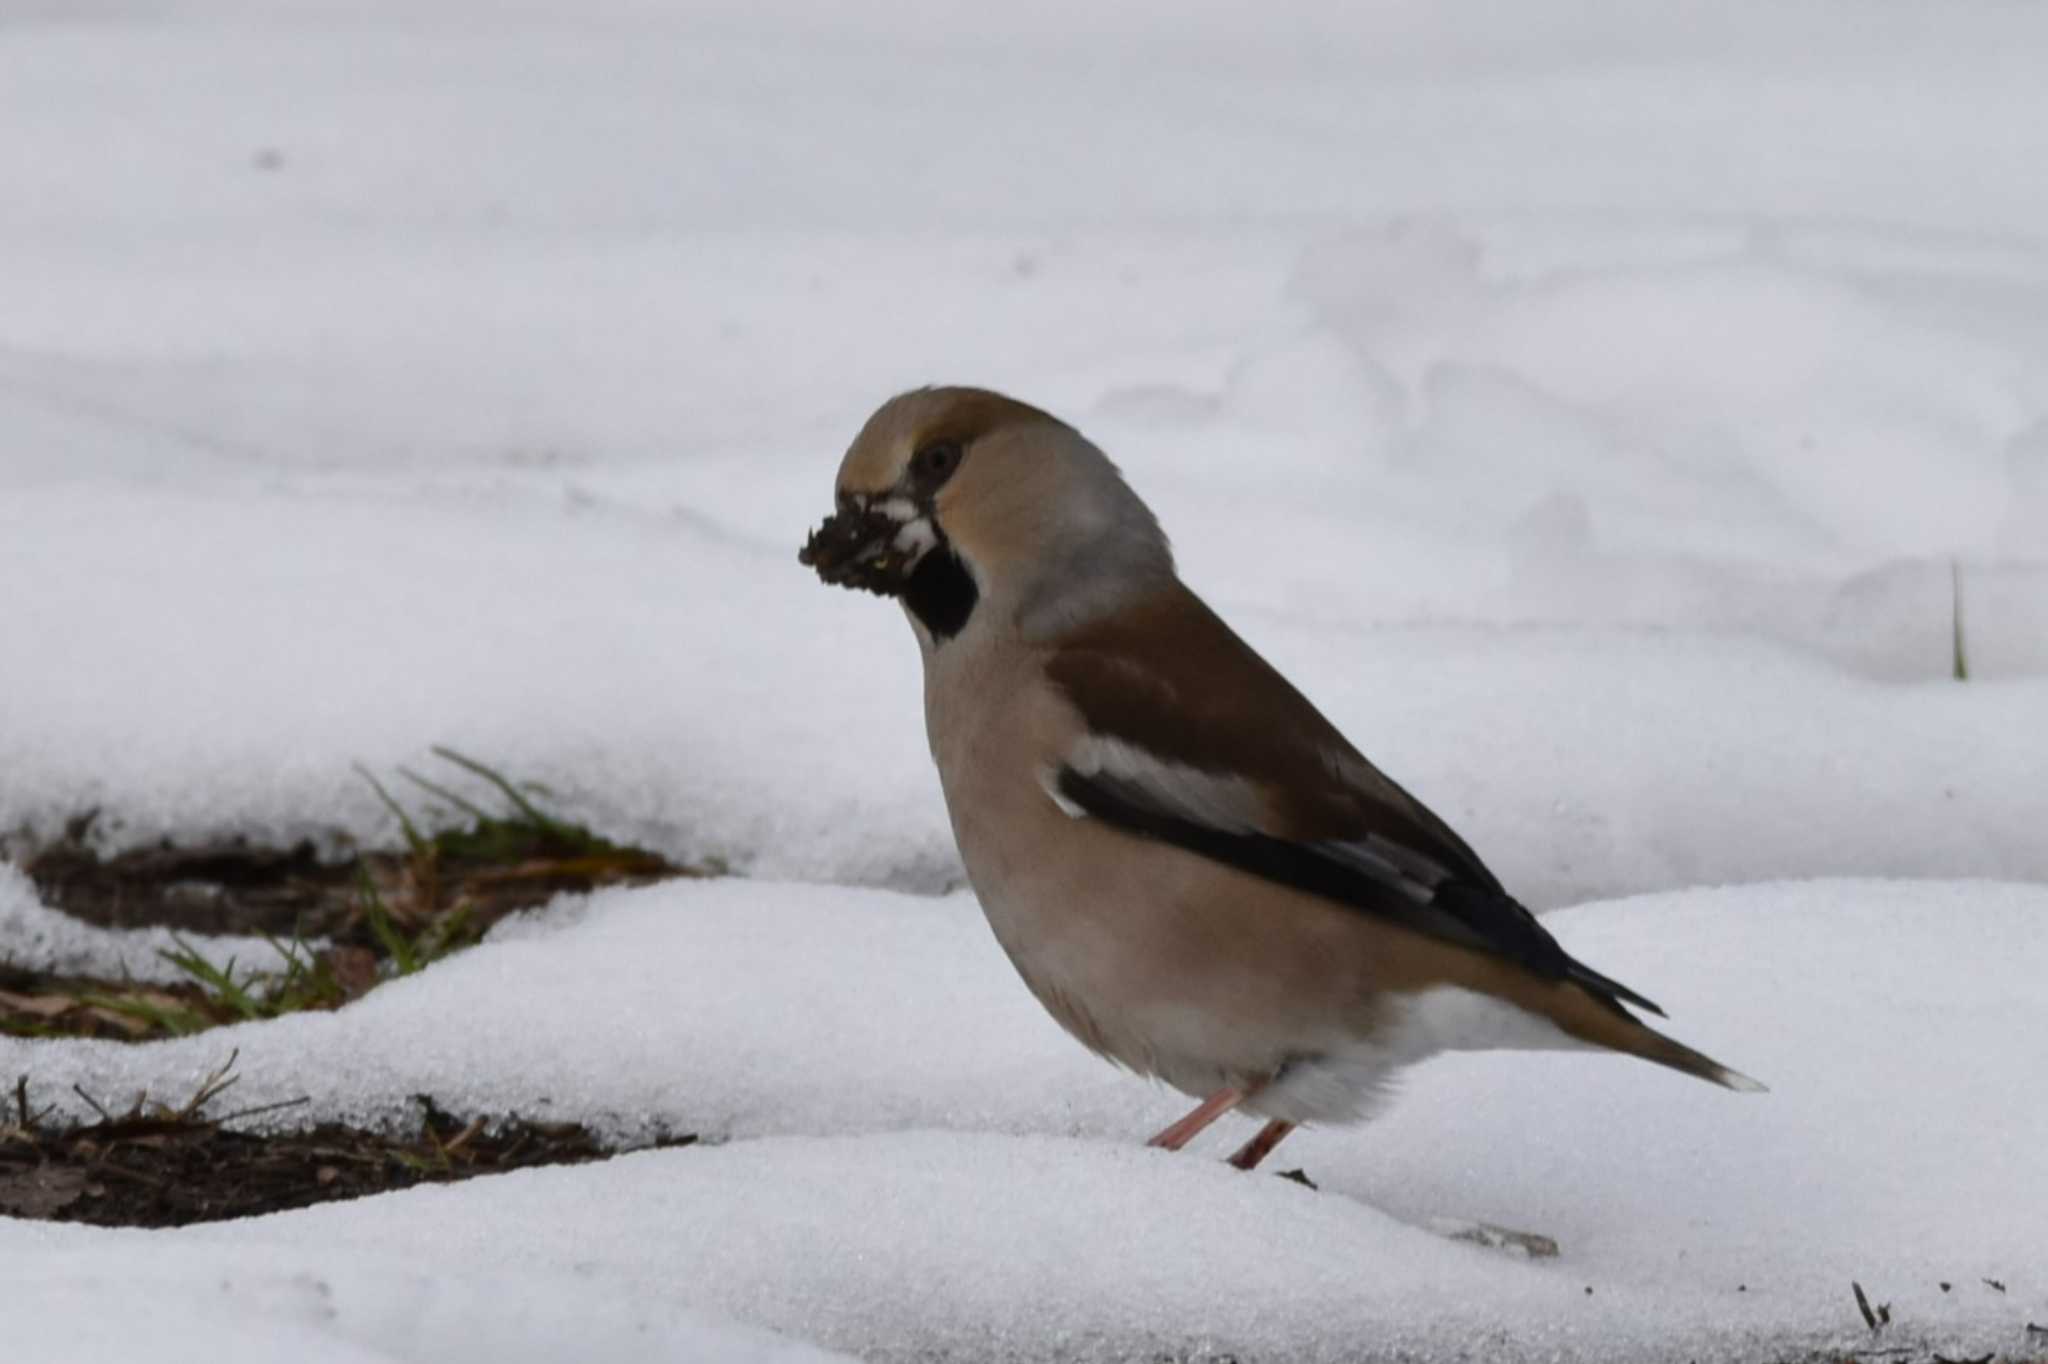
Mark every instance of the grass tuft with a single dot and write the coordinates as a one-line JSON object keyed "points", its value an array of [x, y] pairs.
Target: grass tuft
{"points": [[1958, 655]]}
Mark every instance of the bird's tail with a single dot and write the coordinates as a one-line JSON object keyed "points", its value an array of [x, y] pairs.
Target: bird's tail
{"points": [[1593, 1010], [1639, 1039]]}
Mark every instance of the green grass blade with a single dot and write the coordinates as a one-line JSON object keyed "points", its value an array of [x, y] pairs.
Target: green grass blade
{"points": [[413, 838], [395, 944], [1959, 658], [462, 803], [219, 982], [538, 817], [173, 1022]]}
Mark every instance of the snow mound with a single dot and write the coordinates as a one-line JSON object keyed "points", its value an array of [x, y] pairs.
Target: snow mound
{"points": [[109, 1297], [917, 1164]]}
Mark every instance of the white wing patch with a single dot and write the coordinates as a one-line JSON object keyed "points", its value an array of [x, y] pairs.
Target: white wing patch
{"points": [[1049, 782], [1229, 804], [1214, 800]]}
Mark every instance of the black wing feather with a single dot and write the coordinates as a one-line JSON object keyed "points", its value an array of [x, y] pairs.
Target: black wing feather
{"points": [[1405, 885]]}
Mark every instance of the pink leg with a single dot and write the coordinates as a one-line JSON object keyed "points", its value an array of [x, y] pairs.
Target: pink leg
{"points": [[1261, 1146], [1209, 1110]]}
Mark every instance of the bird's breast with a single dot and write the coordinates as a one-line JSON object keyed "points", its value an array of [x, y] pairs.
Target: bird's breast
{"points": [[1148, 954]]}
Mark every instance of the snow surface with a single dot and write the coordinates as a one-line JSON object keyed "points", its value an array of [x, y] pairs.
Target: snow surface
{"points": [[1594, 406], [912, 1161], [116, 1297], [574, 649], [373, 377]]}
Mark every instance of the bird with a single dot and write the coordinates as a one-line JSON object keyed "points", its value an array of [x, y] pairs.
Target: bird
{"points": [[1195, 873]]}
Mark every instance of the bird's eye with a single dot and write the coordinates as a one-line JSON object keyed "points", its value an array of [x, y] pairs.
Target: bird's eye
{"points": [[933, 462]]}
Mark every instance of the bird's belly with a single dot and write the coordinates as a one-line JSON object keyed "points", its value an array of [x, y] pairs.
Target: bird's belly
{"points": [[1141, 951]]}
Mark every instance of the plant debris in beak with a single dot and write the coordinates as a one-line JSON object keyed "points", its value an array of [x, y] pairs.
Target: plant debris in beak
{"points": [[863, 547]]}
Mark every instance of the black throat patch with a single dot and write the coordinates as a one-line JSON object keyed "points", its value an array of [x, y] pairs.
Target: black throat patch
{"points": [[941, 593]]}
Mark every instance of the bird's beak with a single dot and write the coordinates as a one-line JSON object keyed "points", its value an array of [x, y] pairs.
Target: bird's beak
{"points": [[871, 544]]}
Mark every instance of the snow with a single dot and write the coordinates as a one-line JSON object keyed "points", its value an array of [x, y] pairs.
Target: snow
{"points": [[574, 647], [519, 415], [110, 1297], [1597, 408], [905, 1158]]}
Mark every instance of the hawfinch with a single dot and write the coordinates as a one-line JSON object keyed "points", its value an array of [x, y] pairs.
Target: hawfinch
{"points": [[1192, 870]]}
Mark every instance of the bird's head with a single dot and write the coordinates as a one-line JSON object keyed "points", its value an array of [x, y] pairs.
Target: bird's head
{"points": [[970, 506]]}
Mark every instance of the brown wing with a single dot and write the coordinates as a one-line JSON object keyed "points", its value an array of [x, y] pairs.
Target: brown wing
{"points": [[1214, 751]]}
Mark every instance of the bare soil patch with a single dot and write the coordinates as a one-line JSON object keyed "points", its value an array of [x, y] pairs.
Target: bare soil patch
{"points": [[341, 926], [225, 887], [160, 1167]]}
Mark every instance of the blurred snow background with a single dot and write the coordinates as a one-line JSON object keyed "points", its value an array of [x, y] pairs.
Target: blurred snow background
{"points": [[1590, 404], [1622, 384]]}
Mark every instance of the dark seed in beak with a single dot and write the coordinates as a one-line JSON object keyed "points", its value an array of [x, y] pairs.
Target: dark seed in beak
{"points": [[854, 548]]}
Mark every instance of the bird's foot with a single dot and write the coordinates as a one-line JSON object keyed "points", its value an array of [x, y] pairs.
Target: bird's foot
{"points": [[1179, 1134], [1261, 1145]]}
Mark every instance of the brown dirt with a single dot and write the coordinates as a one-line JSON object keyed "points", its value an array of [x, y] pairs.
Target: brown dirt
{"points": [[171, 1169], [231, 886], [435, 900], [381, 912], [216, 888]]}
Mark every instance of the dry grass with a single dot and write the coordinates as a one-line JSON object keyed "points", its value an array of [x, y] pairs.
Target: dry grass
{"points": [[339, 928]]}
